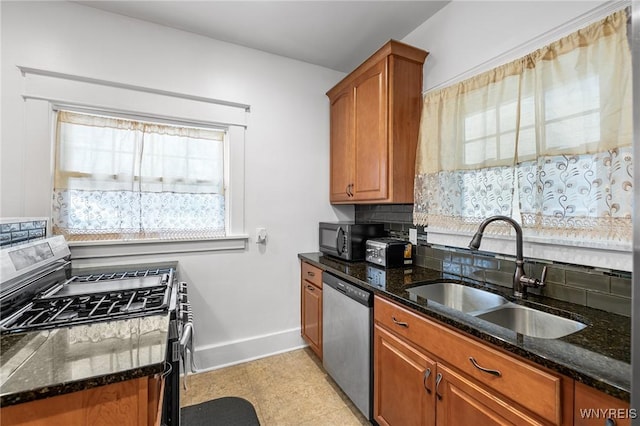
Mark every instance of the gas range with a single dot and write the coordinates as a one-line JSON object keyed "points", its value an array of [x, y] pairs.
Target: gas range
{"points": [[38, 292]]}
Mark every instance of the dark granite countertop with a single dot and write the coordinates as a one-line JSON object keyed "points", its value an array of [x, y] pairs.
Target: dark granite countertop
{"points": [[598, 356], [41, 364]]}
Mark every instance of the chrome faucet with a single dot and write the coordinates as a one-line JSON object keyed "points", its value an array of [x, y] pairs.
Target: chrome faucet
{"points": [[520, 280]]}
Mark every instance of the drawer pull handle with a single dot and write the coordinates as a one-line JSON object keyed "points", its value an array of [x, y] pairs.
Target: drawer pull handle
{"points": [[486, 370], [400, 323], [311, 273], [438, 380], [425, 377], [310, 288]]}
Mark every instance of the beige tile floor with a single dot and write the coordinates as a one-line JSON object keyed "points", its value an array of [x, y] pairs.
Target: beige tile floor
{"points": [[285, 389]]}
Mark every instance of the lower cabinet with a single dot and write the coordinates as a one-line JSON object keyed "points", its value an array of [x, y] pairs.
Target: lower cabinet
{"points": [[428, 374], [596, 408], [135, 402], [460, 401], [404, 382], [311, 306]]}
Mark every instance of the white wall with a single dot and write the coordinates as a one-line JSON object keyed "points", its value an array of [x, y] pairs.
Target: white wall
{"points": [[466, 34], [246, 303], [467, 37]]}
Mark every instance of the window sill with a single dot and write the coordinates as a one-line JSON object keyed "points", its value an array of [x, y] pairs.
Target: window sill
{"points": [[99, 249]]}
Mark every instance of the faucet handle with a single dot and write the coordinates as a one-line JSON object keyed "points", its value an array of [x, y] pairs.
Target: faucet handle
{"points": [[534, 282], [543, 276]]}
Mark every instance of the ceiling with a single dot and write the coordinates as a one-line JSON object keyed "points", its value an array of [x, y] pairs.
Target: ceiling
{"points": [[334, 34]]}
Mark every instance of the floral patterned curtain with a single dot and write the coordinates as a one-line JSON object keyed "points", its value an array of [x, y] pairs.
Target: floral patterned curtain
{"points": [[545, 139], [121, 179]]}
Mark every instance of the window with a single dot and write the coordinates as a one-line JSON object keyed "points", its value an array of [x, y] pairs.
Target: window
{"points": [[545, 139], [123, 179]]}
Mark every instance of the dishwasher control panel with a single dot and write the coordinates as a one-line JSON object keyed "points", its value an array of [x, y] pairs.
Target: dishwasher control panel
{"points": [[354, 292]]}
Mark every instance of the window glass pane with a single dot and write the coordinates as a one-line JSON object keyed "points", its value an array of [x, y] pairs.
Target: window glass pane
{"points": [[480, 124], [571, 132], [572, 97], [508, 116], [478, 151], [527, 142], [115, 178]]}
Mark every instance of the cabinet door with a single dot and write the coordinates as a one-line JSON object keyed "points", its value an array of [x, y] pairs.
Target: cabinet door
{"points": [[370, 139], [403, 383], [341, 156], [312, 316], [462, 402], [593, 407], [124, 404]]}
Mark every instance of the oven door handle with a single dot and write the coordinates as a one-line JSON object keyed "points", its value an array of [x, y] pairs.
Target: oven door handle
{"points": [[187, 334], [186, 351]]}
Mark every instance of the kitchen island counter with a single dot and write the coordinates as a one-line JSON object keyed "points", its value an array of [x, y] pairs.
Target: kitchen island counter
{"points": [[46, 363]]}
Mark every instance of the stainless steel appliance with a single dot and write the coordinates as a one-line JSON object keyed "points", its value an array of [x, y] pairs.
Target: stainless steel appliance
{"points": [[38, 292], [347, 240], [347, 317], [389, 252]]}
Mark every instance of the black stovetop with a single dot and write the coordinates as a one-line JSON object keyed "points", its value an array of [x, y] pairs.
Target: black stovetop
{"points": [[94, 298]]}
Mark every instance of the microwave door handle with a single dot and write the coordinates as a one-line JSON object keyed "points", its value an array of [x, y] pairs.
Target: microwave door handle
{"points": [[338, 240]]}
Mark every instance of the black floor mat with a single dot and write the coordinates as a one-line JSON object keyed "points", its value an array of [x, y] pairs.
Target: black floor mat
{"points": [[227, 411]]}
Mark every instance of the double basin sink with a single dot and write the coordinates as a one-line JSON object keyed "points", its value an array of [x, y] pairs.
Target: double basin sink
{"points": [[497, 310]]}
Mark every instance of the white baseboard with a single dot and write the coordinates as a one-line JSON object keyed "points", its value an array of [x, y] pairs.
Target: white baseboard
{"points": [[212, 357]]}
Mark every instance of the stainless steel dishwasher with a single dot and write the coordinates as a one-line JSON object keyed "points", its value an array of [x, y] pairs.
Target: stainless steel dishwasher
{"points": [[347, 315]]}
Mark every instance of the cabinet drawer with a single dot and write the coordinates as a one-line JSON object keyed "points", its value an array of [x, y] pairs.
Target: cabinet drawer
{"points": [[503, 373], [312, 274], [404, 323]]}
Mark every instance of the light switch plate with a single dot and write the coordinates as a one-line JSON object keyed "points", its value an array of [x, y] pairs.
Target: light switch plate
{"points": [[413, 236], [261, 235]]}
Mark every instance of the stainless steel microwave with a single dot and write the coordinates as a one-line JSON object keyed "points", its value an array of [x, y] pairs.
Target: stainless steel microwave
{"points": [[347, 240]]}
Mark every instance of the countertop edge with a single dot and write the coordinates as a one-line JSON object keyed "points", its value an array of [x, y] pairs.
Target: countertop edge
{"points": [[594, 382], [79, 385]]}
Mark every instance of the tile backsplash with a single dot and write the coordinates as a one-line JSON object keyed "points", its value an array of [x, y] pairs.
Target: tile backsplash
{"points": [[599, 288], [17, 230]]}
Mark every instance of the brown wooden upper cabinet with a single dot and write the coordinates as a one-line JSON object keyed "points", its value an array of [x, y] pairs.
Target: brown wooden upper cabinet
{"points": [[375, 116]]}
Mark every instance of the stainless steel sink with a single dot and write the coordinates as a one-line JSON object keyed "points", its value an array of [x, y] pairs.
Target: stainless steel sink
{"points": [[531, 322], [457, 296]]}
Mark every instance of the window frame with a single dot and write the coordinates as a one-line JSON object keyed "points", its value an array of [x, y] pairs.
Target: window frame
{"points": [[233, 174]]}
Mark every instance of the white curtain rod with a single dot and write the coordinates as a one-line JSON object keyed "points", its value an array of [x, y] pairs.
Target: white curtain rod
{"points": [[47, 73], [58, 104]]}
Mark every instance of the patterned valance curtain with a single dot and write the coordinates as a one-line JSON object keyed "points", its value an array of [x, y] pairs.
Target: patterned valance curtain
{"points": [[545, 139], [122, 179]]}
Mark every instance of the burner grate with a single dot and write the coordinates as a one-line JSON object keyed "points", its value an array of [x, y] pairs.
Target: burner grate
{"points": [[121, 275], [80, 300]]}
